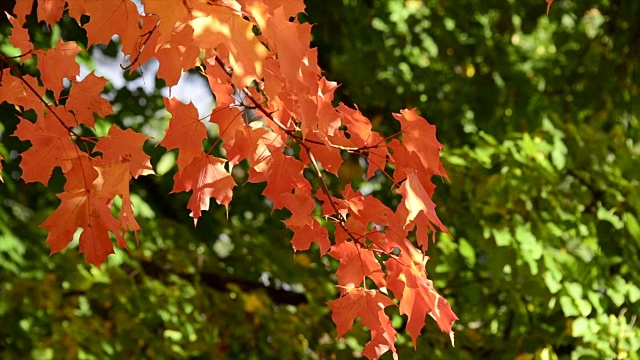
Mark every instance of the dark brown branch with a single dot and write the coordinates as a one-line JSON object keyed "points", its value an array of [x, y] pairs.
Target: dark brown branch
{"points": [[221, 283]]}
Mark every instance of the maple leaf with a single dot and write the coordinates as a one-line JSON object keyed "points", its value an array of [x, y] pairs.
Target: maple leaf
{"points": [[549, 2], [81, 207], [180, 53], [367, 208], [417, 201], [300, 204], [310, 233], [122, 159], [113, 180], [125, 146], [283, 175], [185, 131], [419, 138], [222, 27], [229, 121], [170, 12], [329, 157], [252, 142], [51, 147], [356, 263], [58, 63], [290, 8], [22, 9], [369, 306], [361, 135], [84, 100], [291, 41], [416, 293], [50, 11], [108, 18], [14, 91], [19, 36], [207, 178]]}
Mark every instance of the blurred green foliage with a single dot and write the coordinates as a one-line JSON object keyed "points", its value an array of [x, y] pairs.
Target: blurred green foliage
{"points": [[540, 120]]}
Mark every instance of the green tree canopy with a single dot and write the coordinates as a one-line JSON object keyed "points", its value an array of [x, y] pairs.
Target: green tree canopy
{"points": [[539, 117]]}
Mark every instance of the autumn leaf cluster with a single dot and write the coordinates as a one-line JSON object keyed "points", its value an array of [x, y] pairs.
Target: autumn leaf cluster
{"points": [[257, 59]]}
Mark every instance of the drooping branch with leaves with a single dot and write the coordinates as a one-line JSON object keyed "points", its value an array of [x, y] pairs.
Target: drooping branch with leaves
{"points": [[274, 111]]}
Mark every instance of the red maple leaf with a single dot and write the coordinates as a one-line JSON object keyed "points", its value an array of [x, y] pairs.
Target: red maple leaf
{"points": [[225, 29]]}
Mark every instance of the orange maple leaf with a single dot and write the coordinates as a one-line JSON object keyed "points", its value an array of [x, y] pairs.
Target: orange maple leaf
{"points": [[300, 204], [58, 63], [51, 147], [419, 138], [84, 100], [310, 233], [185, 131], [223, 28], [108, 18], [207, 178], [283, 175], [22, 9], [230, 123], [14, 91], [50, 11], [369, 306], [171, 14], [113, 180], [418, 208], [82, 207], [180, 53], [125, 146], [19, 36], [361, 135], [416, 293], [329, 157], [291, 41], [356, 263], [252, 142]]}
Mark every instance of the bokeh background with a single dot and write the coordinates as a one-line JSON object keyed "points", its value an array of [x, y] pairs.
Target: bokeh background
{"points": [[539, 116]]}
